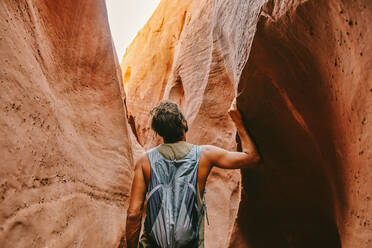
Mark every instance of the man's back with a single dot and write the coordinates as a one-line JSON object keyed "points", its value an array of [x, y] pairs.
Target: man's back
{"points": [[174, 213], [175, 151]]}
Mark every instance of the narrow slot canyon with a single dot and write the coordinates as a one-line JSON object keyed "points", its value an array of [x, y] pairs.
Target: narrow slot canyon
{"points": [[74, 117]]}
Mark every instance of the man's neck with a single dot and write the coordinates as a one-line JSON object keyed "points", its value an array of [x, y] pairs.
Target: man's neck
{"points": [[178, 141]]}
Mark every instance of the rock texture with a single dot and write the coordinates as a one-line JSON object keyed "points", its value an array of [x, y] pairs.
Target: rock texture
{"points": [[65, 154], [307, 99], [302, 73]]}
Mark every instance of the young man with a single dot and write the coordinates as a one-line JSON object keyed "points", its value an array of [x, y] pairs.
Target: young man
{"points": [[172, 177]]}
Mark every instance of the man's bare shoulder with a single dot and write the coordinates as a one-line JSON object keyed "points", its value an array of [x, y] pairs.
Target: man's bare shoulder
{"points": [[211, 152], [143, 161], [141, 158]]}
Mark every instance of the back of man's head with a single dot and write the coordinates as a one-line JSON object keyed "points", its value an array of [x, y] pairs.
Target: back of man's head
{"points": [[167, 121]]}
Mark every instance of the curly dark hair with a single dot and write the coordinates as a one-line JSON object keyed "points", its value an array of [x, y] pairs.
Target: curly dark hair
{"points": [[167, 121]]}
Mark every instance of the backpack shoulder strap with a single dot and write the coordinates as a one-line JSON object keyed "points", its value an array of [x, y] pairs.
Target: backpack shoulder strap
{"points": [[198, 151], [153, 156]]}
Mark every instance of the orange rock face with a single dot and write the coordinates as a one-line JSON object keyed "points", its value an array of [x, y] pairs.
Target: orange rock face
{"points": [[65, 155], [302, 74], [307, 99]]}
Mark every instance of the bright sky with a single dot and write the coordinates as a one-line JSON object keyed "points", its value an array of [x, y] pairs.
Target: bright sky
{"points": [[126, 18]]}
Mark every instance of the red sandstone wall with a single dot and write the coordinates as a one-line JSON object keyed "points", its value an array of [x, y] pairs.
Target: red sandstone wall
{"points": [[306, 97], [302, 76], [65, 155]]}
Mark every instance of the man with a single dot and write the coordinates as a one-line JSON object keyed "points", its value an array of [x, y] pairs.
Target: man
{"points": [[172, 177]]}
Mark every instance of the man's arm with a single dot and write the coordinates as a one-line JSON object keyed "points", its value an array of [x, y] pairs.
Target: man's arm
{"points": [[134, 213], [230, 160], [249, 158]]}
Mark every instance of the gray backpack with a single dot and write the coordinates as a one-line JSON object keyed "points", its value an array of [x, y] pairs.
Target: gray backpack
{"points": [[172, 214]]}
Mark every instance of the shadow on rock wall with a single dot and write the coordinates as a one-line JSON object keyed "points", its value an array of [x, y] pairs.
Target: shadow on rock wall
{"points": [[305, 98]]}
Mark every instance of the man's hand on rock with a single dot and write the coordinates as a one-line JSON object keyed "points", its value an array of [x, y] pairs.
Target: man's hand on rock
{"points": [[235, 114]]}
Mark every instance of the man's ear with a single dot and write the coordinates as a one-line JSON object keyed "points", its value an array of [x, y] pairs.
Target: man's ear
{"points": [[184, 124]]}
